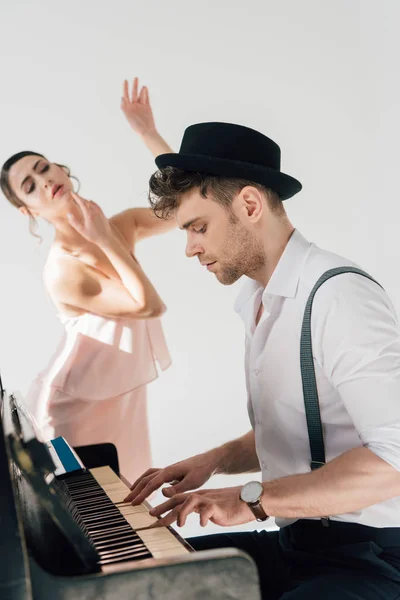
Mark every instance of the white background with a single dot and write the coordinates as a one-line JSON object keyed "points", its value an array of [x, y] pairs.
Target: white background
{"points": [[320, 77]]}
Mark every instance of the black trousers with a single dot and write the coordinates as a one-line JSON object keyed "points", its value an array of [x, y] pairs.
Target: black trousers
{"points": [[344, 561]]}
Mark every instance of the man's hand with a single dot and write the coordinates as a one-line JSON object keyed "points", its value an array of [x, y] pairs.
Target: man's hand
{"points": [[222, 507], [186, 475]]}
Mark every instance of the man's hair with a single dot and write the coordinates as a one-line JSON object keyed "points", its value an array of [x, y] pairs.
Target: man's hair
{"points": [[168, 184]]}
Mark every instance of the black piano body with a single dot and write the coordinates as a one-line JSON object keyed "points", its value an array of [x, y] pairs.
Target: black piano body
{"points": [[46, 555]]}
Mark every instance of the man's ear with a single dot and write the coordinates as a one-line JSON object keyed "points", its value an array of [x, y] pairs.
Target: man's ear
{"points": [[253, 201]]}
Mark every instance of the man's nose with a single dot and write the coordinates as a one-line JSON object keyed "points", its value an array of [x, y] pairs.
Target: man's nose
{"points": [[193, 249]]}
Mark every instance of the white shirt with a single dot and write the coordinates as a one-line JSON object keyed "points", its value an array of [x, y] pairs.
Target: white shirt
{"points": [[356, 349]]}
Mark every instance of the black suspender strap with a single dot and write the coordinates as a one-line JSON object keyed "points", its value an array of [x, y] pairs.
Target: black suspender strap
{"points": [[310, 392]]}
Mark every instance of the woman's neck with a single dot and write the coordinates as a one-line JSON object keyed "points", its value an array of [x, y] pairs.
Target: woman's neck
{"points": [[67, 238]]}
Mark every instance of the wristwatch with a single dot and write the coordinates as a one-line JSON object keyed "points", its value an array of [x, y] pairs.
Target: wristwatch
{"points": [[251, 493]]}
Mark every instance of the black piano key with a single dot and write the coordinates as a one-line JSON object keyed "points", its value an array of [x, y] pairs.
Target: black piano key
{"points": [[85, 489], [108, 515], [116, 554], [126, 536], [90, 485], [125, 539], [93, 496], [113, 545], [87, 503], [85, 509], [100, 527], [99, 515], [122, 544], [105, 526], [112, 531]]}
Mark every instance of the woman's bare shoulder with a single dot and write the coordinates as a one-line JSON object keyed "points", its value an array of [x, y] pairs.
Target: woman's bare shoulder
{"points": [[63, 276], [62, 269]]}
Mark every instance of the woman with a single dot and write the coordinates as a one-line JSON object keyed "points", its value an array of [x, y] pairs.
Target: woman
{"points": [[94, 389]]}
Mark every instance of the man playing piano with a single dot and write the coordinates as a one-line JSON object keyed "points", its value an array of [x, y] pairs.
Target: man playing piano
{"points": [[323, 387]]}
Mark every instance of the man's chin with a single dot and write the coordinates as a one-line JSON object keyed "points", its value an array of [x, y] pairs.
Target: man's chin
{"points": [[227, 278]]}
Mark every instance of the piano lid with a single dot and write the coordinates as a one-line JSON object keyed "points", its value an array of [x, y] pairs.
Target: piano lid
{"points": [[32, 458]]}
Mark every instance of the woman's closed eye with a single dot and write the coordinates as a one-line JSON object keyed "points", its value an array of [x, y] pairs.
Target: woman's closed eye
{"points": [[31, 185]]}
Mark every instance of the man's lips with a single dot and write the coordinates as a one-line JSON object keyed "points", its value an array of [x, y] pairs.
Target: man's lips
{"points": [[209, 264]]}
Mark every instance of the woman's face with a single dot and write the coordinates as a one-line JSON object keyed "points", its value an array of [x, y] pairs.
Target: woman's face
{"points": [[42, 186]]}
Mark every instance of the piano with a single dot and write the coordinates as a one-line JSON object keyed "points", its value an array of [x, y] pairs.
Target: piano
{"points": [[66, 534]]}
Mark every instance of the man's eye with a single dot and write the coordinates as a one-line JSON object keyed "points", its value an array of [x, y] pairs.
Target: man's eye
{"points": [[202, 230]]}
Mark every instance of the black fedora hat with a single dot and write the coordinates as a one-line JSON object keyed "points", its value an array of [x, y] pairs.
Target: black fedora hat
{"points": [[230, 150]]}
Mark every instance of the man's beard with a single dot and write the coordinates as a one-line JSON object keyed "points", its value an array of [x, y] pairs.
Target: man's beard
{"points": [[243, 254]]}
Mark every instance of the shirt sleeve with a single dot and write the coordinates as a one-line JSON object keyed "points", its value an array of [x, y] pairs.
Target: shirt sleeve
{"points": [[356, 340]]}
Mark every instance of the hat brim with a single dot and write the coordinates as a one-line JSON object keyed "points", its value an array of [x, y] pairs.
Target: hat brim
{"points": [[284, 185]]}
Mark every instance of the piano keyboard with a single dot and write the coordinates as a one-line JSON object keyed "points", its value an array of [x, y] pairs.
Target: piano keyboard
{"points": [[117, 530]]}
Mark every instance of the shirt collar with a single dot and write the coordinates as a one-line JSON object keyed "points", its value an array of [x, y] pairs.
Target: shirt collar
{"points": [[286, 275]]}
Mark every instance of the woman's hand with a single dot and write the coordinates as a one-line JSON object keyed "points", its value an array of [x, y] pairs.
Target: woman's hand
{"points": [[90, 221], [137, 110]]}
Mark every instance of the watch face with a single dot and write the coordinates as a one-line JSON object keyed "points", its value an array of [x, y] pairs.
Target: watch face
{"points": [[251, 492]]}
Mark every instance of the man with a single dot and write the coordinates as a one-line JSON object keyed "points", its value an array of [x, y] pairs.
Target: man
{"points": [[339, 524]]}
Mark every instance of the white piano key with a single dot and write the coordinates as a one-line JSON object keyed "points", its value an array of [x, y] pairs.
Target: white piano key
{"points": [[137, 516], [160, 541]]}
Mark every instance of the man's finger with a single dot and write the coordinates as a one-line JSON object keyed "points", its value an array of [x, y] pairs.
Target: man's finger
{"points": [[169, 491], [152, 485], [204, 492], [169, 519], [205, 514], [192, 504], [179, 488], [139, 488], [145, 474], [168, 505]]}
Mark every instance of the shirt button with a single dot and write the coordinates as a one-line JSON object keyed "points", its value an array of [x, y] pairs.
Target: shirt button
{"points": [[256, 372]]}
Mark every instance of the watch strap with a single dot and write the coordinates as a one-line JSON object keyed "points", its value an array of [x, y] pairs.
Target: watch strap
{"points": [[258, 511]]}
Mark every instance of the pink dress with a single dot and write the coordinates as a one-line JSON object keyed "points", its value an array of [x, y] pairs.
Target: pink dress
{"points": [[94, 389]]}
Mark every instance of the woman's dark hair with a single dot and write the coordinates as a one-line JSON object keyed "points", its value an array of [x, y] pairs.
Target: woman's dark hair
{"points": [[9, 192]]}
